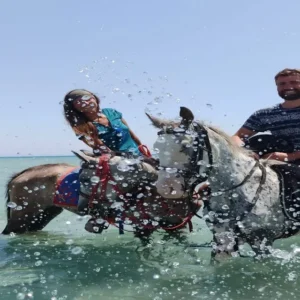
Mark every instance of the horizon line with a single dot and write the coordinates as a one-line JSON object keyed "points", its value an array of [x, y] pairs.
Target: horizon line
{"points": [[32, 156]]}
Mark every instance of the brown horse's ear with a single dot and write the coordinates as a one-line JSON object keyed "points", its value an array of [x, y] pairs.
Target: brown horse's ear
{"points": [[88, 153], [157, 122], [86, 158], [187, 116]]}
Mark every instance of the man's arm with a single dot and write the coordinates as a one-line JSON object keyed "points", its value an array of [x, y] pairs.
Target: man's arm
{"points": [[293, 156], [282, 156], [239, 137]]}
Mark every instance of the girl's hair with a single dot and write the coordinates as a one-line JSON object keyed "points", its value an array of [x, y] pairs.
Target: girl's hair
{"points": [[80, 124]]}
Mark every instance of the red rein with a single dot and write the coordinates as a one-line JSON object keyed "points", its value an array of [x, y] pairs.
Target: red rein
{"points": [[103, 172]]}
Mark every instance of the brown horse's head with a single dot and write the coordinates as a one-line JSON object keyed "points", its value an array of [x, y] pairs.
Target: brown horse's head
{"points": [[111, 177]]}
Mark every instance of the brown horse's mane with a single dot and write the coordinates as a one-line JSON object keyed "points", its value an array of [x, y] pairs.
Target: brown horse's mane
{"points": [[35, 168]]}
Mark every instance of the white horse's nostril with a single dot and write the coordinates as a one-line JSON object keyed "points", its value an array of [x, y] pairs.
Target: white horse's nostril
{"points": [[171, 190]]}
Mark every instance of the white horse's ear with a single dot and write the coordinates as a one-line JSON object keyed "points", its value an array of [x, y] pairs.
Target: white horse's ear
{"points": [[187, 116], [82, 156], [157, 122]]}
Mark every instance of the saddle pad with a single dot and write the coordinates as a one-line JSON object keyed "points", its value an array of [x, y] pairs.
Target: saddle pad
{"points": [[67, 189], [289, 177]]}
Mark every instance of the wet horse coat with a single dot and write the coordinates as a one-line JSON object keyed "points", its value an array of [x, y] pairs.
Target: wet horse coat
{"points": [[245, 203], [37, 195]]}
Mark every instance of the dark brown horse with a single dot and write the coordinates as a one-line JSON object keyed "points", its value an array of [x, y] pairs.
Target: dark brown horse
{"points": [[124, 194]]}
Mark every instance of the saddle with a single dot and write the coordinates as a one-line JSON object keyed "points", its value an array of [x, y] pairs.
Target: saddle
{"points": [[289, 178], [67, 189], [288, 174]]}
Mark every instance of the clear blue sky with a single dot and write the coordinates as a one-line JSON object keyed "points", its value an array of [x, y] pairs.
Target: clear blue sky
{"points": [[138, 55]]}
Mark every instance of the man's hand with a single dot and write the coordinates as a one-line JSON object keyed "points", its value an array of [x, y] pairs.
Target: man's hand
{"points": [[281, 156]]}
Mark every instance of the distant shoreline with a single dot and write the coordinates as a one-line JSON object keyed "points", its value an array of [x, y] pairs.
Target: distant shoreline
{"points": [[36, 156]]}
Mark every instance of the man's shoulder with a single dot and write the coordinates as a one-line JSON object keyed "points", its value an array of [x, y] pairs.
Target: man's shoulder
{"points": [[267, 110]]}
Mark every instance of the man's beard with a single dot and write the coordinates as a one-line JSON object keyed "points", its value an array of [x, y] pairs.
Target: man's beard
{"points": [[290, 95]]}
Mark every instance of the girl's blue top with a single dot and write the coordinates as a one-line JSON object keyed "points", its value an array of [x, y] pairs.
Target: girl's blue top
{"points": [[116, 136]]}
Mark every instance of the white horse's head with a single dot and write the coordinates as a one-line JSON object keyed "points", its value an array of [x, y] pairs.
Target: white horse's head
{"points": [[182, 154]]}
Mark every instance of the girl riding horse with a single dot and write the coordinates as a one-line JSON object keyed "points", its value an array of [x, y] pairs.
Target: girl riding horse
{"points": [[104, 130]]}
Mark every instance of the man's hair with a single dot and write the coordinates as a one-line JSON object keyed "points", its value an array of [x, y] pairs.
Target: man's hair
{"points": [[287, 72]]}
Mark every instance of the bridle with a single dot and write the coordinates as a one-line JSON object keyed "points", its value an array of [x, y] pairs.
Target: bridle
{"points": [[192, 173], [201, 147], [104, 175]]}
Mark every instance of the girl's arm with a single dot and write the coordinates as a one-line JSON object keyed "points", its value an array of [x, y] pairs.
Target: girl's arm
{"points": [[134, 137]]}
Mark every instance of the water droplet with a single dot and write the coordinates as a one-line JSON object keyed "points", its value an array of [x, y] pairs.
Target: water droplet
{"points": [[140, 195], [123, 167], [21, 296], [171, 170], [38, 263], [100, 221], [201, 163], [155, 151], [179, 129], [292, 276], [11, 205], [161, 139], [214, 194], [95, 179], [235, 195], [157, 100], [111, 182], [95, 229], [117, 205], [124, 184], [76, 250], [156, 276], [225, 206], [127, 221]]}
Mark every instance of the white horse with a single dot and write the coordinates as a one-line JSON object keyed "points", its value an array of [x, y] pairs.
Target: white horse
{"points": [[246, 201]]}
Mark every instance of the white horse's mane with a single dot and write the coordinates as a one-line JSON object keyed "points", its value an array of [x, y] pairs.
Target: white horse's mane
{"points": [[219, 132]]}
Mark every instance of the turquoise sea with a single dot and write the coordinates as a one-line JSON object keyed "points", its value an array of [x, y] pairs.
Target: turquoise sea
{"points": [[65, 262]]}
